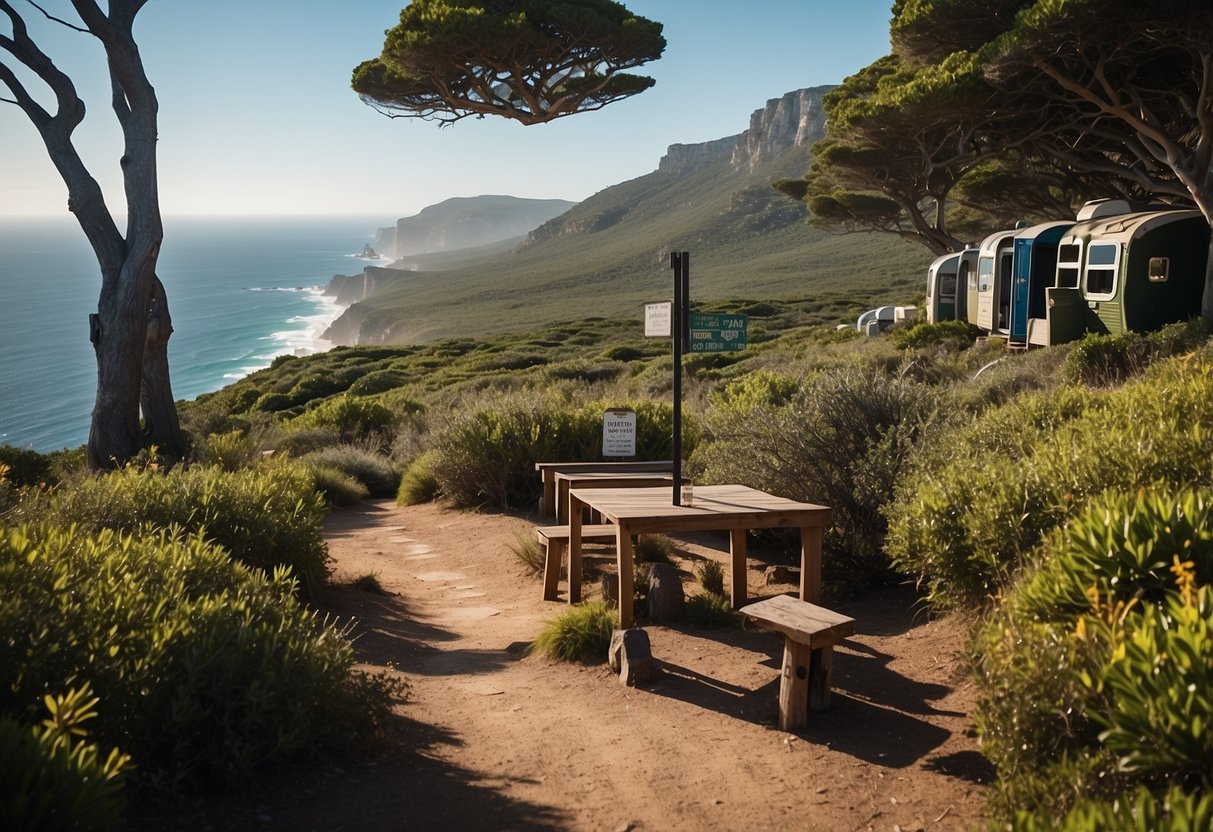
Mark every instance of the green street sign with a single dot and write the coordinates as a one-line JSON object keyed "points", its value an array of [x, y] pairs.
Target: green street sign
{"points": [[712, 332]]}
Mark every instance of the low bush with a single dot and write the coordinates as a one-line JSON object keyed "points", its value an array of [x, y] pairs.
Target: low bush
{"points": [[710, 610], [1095, 673], [954, 335], [203, 667], [231, 451], [373, 470], [980, 500], [418, 484], [582, 633], [653, 548], [486, 455], [265, 517], [338, 487], [52, 777], [26, 467], [351, 416], [1109, 360], [710, 575], [1140, 811], [842, 442]]}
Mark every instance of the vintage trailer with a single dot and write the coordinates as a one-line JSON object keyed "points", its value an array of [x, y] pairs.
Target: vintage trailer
{"points": [[1033, 271], [994, 262], [942, 294], [1131, 272]]}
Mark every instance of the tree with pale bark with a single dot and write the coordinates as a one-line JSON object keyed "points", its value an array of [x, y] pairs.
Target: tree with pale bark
{"points": [[1053, 102], [134, 407], [532, 61]]}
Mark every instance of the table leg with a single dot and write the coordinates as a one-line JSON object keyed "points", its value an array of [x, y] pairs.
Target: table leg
{"points": [[623, 560], [562, 501], [794, 686], [737, 586], [810, 564], [549, 495], [574, 550]]}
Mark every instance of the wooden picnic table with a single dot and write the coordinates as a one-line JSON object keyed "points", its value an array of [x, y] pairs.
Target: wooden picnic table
{"points": [[731, 508], [548, 470], [566, 480]]}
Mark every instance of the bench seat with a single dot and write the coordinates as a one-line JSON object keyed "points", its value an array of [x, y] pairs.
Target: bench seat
{"points": [[556, 539], [809, 635]]}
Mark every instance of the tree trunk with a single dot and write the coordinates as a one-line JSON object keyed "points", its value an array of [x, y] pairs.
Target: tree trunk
{"points": [[118, 333], [1206, 305], [160, 425]]}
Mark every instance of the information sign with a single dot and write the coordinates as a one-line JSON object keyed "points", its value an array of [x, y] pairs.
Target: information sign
{"points": [[715, 332], [619, 433], [657, 317]]}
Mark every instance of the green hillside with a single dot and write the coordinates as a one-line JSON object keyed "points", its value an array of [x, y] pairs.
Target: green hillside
{"points": [[610, 254]]}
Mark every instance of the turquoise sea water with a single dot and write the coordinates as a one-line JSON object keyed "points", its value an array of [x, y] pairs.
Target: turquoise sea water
{"points": [[241, 292]]}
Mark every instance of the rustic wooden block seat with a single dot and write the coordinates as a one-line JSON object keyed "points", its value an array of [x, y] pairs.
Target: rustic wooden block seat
{"points": [[556, 539], [809, 635]]}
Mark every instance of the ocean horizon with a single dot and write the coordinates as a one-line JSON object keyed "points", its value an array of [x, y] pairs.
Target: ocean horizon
{"points": [[241, 291]]}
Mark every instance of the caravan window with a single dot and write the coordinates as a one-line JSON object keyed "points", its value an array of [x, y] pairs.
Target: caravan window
{"points": [[985, 274], [1160, 269], [947, 286], [1069, 261], [1102, 259]]}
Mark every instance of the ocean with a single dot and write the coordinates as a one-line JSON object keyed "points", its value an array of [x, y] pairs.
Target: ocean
{"points": [[241, 291]]}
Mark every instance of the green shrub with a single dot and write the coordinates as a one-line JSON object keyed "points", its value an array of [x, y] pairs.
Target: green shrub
{"points": [[349, 415], [418, 485], [955, 335], [581, 633], [1095, 674], [379, 381], [26, 467], [369, 583], [373, 470], [842, 442], [231, 451], [1141, 811], [52, 777], [338, 487], [709, 610], [265, 517], [978, 502], [654, 548], [302, 441], [486, 455], [204, 668], [1109, 360], [710, 574]]}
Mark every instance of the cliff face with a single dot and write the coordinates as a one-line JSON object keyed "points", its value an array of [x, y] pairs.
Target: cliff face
{"points": [[793, 120], [467, 222]]}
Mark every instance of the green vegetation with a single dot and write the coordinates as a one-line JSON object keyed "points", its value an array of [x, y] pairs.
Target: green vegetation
{"points": [[581, 633], [710, 575], [530, 553], [710, 609]]}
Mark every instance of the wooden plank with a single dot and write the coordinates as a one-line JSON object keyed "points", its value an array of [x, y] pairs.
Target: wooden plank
{"points": [[575, 550], [634, 465], [800, 621], [596, 531], [551, 566]]}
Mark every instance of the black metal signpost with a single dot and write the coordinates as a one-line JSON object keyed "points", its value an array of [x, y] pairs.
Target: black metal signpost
{"points": [[680, 262]]}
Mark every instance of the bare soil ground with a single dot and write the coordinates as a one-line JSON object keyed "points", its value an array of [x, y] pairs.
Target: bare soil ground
{"points": [[492, 738]]}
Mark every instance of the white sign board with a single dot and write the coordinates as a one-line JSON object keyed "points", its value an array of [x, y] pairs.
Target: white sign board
{"points": [[619, 433], [657, 317]]}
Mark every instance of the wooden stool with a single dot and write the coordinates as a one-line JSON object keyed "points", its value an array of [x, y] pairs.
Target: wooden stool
{"points": [[809, 635], [556, 539]]}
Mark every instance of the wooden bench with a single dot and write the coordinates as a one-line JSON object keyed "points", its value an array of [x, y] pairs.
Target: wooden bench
{"points": [[556, 539], [547, 472], [809, 635]]}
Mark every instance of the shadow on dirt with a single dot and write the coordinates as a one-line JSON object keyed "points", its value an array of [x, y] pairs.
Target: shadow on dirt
{"points": [[401, 784]]}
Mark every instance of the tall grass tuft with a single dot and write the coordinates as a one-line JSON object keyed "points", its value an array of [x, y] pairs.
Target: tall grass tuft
{"points": [[582, 633]]}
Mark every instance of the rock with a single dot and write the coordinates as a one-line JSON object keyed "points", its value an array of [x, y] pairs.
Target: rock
{"points": [[666, 598], [782, 575], [631, 656]]}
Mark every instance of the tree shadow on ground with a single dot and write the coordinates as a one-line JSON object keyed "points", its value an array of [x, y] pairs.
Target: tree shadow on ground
{"points": [[402, 783], [385, 631]]}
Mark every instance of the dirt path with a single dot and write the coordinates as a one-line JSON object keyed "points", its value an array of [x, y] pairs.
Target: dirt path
{"points": [[493, 739]]}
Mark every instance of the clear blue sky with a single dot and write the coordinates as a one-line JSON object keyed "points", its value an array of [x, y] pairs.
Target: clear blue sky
{"points": [[257, 117]]}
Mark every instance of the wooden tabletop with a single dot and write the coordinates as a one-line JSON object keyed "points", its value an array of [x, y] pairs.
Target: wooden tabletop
{"points": [[713, 507]]}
